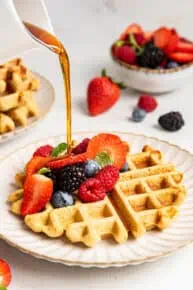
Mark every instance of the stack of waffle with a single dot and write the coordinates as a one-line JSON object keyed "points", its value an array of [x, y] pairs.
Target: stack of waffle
{"points": [[146, 197], [17, 103]]}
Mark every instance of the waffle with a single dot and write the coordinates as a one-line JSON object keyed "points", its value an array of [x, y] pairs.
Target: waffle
{"points": [[146, 197], [17, 85], [149, 194]]}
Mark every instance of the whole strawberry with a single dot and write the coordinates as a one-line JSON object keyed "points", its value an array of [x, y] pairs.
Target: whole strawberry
{"points": [[102, 94]]}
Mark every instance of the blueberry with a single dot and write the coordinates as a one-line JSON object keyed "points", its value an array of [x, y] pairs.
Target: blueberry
{"points": [[91, 167], [61, 199], [125, 167], [172, 64], [138, 115]]}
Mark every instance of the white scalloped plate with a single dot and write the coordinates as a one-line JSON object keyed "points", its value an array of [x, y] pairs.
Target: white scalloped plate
{"points": [[47, 92], [150, 247]]}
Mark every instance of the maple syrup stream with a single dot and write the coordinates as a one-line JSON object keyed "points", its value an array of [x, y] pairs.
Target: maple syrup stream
{"points": [[51, 42]]}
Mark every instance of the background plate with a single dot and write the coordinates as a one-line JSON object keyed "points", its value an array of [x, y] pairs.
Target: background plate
{"points": [[46, 91], [150, 247]]}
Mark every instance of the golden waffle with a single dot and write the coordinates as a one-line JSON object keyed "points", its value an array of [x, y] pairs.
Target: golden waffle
{"points": [[17, 84], [6, 124], [144, 198], [148, 195]]}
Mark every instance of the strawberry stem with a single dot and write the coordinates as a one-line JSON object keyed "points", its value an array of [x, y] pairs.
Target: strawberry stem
{"points": [[139, 50], [121, 85]]}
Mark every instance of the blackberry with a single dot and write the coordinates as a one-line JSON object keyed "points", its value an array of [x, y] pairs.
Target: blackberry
{"points": [[70, 177], [172, 121], [151, 57], [53, 175]]}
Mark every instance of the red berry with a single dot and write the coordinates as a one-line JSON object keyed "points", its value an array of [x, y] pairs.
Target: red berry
{"points": [[147, 103], [102, 94], [91, 190], [5, 274], [126, 53], [67, 160], [36, 163], [108, 176], [112, 145], [38, 190], [43, 151], [81, 147], [140, 39]]}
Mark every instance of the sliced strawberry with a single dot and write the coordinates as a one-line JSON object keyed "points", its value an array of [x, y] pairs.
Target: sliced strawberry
{"points": [[183, 46], [133, 28], [162, 37], [36, 163], [110, 144], [148, 35], [5, 274], [38, 190], [173, 42], [44, 151], [69, 160], [181, 57]]}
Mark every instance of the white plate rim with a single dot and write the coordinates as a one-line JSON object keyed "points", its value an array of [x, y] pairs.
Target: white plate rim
{"points": [[99, 264]]}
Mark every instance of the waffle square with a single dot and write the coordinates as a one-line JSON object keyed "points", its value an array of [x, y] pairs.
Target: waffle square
{"points": [[17, 84], [148, 195]]}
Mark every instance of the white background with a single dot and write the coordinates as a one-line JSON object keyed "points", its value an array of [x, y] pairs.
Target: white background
{"points": [[87, 28]]}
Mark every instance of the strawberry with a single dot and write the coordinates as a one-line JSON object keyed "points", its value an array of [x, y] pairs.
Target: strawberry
{"points": [[38, 190], [44, 151], [140, 38], [36, 163], [183, 46], [5, 274], [110, 144], [68, 160], [181, 57], [162, 37], [102, 94], [148, 35], [133, 28], [127, 54], [173, 42]]}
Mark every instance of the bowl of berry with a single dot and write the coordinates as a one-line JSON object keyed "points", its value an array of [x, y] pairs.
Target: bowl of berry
{"points": [[158, 61]]}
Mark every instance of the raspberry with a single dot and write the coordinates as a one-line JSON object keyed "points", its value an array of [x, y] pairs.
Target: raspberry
{"points": [[43, 151], [147, 103], [126, 53], [108, 176], [81, 148], [91, 190]]}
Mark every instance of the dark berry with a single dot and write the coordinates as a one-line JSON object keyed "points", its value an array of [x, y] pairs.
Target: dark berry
{"points": [[138, 115], [91, 168], [172, 121], [81, 147], [70, 177], [125, 167], [172, 64], [62, 199], [151, 57]]}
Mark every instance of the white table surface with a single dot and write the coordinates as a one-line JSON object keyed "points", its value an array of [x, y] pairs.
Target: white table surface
{"points": [[87, 28]]}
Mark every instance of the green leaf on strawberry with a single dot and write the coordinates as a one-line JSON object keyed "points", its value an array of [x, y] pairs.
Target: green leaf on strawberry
{"points": [[139, 49], [43, 170], [61, 148], [2, 287], [119, 43], [103, 159]]}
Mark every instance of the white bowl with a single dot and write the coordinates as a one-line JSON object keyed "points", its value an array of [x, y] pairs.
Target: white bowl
{"points": [[154, 80]]}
